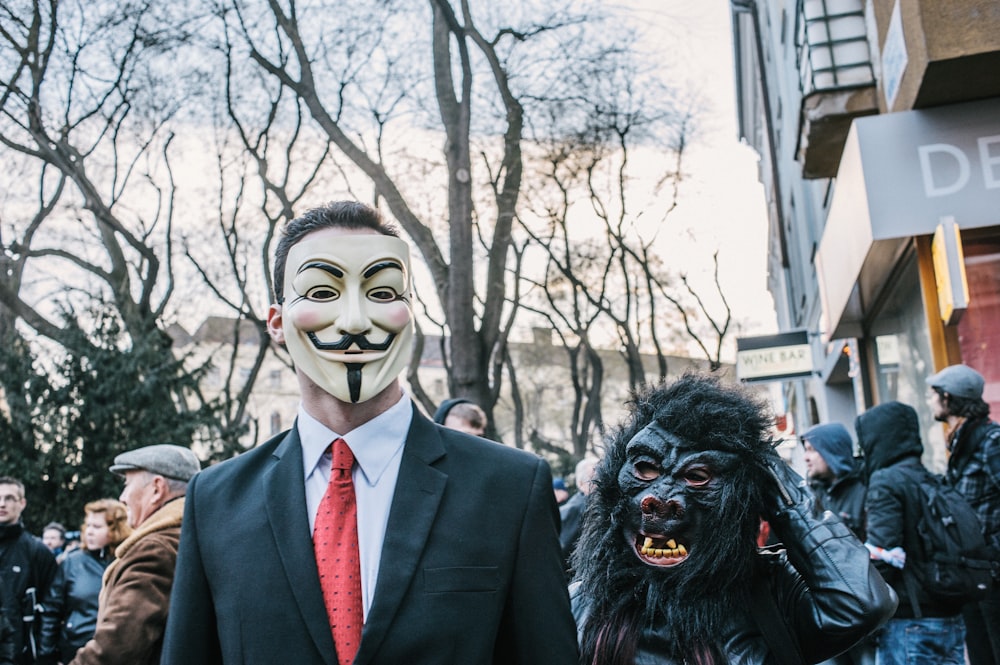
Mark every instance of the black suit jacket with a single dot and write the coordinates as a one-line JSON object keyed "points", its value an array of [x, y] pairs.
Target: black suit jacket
{"points": [[470, 572]]}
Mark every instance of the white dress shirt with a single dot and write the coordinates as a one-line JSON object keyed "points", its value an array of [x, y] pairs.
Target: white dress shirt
{"points": [[378, 449]]}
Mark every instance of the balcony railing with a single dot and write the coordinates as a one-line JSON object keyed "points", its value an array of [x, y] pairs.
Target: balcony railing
{"points": [[837, 79], [832, 46]]}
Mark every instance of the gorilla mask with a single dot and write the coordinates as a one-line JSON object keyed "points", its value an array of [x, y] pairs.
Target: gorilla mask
{"points": [[668, 483], [669, 538]]}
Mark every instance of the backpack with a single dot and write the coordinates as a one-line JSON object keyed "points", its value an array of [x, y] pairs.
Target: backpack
{"points": [[950, 560]]}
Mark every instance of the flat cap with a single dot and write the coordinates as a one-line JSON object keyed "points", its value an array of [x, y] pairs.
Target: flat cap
{"points": [[163, 459], [958, 380]]}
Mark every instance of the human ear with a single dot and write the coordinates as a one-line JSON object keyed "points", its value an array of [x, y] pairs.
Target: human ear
{"points": [[274, 324]]}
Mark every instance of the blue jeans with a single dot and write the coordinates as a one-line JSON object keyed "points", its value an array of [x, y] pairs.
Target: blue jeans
{"points": [[928, 641]]}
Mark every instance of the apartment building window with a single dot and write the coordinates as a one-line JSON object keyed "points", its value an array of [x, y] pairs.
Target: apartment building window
{"points": [[832, 40], [275, 422], [275, 378]]}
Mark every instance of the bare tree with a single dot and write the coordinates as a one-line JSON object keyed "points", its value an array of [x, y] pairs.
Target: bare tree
{"points": [[152, 142], [89, 102], [603, 276], [366, 78]]}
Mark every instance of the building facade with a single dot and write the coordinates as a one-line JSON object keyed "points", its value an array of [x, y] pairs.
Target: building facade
{"points": [[878, 127], [545, 389]]}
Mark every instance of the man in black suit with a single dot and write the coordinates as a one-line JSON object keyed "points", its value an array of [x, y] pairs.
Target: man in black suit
{"points": [[457, 536]]}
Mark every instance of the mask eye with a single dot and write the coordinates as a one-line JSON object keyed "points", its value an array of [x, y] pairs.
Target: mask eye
{"points": [[697, 476], [383, 294], [322, 294], [646, 471]]}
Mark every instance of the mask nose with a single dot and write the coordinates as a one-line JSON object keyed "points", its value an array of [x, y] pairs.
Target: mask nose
{"points": [[353, 318], [654, 507]]}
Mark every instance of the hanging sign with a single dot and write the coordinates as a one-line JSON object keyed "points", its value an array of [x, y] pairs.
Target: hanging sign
{"points": [[774, 357]]}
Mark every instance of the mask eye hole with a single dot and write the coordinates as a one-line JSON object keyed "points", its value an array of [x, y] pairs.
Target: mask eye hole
{"points": [[698, 476], [322, 294], [644, 470], [383, 294]]}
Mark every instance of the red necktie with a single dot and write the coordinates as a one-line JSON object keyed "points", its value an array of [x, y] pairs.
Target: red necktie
{"points": [[335, 542]]}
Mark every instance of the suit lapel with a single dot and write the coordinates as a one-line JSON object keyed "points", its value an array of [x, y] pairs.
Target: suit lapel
{"points": [[415, 501], [285, 502]]}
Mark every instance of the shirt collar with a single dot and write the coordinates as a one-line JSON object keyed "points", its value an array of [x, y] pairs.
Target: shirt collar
{"points": [[373, 444]]}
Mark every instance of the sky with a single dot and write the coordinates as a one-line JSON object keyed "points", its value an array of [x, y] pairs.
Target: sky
{"points": [[722, 203]]}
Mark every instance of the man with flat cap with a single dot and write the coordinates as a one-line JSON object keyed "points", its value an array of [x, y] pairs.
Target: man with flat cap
{"points": [[135, 596], [955, 396]]}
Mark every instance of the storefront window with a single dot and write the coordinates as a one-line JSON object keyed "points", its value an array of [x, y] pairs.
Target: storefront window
{"points": [[979, 327], [902, 356]]}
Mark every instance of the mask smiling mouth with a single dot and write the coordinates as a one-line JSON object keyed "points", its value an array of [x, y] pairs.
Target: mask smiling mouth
{"points": [[658, 550], [348, 340]]}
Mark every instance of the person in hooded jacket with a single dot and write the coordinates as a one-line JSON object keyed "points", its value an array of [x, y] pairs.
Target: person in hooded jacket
{"points": [[889, 437], [837, 481], [834, 475]]}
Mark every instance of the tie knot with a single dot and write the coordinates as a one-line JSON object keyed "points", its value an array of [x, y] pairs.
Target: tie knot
{"points": [[343, 458]]}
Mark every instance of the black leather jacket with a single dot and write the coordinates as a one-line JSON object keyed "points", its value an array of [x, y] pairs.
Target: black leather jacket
{"points": [[69, 611], [6, 633], [26, 570], [823, 583]]}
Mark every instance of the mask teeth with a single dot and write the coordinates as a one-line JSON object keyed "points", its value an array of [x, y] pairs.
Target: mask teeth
{"points": [[671, 550]]}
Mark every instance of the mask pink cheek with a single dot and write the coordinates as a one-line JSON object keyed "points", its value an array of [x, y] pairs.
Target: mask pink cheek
{"points": [[309, 319], [397, 317]]}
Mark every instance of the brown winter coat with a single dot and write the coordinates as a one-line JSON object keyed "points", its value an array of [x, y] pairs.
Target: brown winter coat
{"points": [[135, 595]]}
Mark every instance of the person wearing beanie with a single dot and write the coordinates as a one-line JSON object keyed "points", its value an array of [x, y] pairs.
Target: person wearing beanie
{"points": [[834, 474], [955, 397]]}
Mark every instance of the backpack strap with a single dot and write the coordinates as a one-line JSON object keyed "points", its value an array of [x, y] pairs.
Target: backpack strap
{"points": [[909, 579], [783, 645], [910, 515]]}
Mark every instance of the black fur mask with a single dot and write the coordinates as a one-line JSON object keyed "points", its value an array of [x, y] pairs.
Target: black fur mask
{"points": [[669, 537]]}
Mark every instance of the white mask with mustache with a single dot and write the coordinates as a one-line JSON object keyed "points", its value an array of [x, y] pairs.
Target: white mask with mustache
{"points": [[346, 316]]}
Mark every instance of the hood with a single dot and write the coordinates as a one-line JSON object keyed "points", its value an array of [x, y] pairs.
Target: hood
{"points": [[887, 433], [442, 411], [833, 442]]}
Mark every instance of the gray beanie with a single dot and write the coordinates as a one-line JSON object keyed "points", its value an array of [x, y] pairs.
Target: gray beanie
{"points": [[163, 459], [958, 380]]}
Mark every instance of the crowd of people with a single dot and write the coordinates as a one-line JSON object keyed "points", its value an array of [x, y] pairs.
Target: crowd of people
{"points": [[370, 533]]}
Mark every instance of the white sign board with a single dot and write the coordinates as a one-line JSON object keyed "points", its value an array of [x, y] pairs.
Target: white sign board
{"points": [[893, 57]]}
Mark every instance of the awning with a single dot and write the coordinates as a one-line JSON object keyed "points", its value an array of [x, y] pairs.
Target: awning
{"points": [[899, 175]]}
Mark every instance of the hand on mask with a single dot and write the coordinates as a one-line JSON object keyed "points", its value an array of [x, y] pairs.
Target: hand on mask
{"points": [[789, 491]]}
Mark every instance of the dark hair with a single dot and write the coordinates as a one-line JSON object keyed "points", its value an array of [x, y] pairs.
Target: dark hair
{"points": [[963, 407], [351, 215]]}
